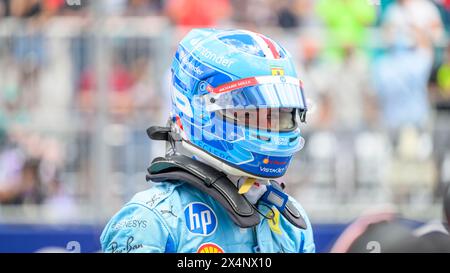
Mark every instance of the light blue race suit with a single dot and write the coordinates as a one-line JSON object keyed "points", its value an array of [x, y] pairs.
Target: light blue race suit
{"points": [[176, 217]]}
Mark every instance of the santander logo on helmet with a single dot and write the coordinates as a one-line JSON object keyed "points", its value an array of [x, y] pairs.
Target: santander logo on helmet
{"points": [[237, 101]]}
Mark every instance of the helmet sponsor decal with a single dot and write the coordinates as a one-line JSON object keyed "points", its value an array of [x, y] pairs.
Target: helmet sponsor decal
{"points": [[217, 58], [200, 219], [246, 82], [280, 170], [277, 71], [232, 85]]}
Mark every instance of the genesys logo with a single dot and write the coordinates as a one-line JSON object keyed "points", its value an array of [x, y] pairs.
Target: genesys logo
{"points": [[200, 219], [130, 223], [210, 248]]}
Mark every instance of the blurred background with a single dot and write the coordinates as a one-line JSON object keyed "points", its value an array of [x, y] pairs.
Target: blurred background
{"points": [[81, 81]]}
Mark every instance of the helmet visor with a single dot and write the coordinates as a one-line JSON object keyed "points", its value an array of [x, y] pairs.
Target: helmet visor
{"points": [[256, 92], [267, 119]]}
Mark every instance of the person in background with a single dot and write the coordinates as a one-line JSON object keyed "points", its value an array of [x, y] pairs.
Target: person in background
{"points": [[346, 22], [400, 78], [406, 18], [440, 98]]}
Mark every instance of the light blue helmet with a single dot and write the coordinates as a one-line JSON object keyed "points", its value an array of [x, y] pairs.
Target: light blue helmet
{"points": [[236, 101]]}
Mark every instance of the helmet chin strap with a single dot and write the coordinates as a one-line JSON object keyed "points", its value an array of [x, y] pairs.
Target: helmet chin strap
{"points": [[251, 188]]}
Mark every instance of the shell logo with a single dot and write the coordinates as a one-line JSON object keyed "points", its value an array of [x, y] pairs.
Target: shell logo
{"points": [[210, 248], [265, 160]]}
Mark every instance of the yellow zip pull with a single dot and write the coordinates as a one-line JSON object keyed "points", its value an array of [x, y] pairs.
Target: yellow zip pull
{"points": [[247, 185]]}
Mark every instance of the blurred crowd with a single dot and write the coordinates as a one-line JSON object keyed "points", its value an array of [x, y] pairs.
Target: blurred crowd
{"points": [[376, 73]]}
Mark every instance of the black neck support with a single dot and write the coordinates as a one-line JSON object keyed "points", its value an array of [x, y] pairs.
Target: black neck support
{"points": [[176, 167], [216, 184]]}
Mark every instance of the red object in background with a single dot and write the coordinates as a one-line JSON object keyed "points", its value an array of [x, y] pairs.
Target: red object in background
{"points": [[446, 4], [199, 13], [53, 5], [120, 80]]}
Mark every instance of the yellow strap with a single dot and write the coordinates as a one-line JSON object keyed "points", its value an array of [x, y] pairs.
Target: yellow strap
{"points": [[247, 185]]}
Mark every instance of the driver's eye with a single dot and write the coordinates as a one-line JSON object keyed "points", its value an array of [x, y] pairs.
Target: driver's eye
{"points": [[262, 118]]}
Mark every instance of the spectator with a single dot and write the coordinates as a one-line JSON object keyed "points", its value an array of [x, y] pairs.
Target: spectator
{"points": [[253, 13], [411, 27], [350, 91], [29, 174], [440, 94], [11, 163], [346, 22], [340, 91], [119, 83], [405, 17], [287, 14], [24, 8], [315, 81], [401, 78], [291, 14], [28, 189]]}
